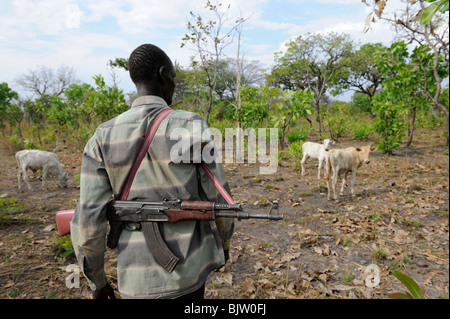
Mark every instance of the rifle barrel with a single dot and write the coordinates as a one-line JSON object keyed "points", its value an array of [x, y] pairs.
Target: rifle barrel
{"points": [[244, 215]]}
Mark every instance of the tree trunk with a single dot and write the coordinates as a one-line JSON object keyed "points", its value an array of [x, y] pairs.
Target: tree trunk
{"points": [[317, 102], [448, 129], [411, 127]]}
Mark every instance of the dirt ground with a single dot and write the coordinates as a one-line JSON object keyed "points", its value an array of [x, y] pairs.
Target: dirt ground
{"points": [[321, 249]]}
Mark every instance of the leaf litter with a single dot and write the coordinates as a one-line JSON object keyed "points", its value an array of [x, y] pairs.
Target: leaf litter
{"points": [[398, 220]]}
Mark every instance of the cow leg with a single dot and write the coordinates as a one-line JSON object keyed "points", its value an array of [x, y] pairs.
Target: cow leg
{"points": [[335, 177], [44, 173], [353, 182], [25, 178], [304, 159], [19, 177], [328, 184], [320, 167], [344, 180]]}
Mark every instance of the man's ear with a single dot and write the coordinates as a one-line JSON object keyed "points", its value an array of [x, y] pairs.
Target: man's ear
{"points": [[162, 72]]}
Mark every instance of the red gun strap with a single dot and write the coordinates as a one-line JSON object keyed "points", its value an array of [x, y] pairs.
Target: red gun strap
{"points": [[216, 182], [142, 151]]}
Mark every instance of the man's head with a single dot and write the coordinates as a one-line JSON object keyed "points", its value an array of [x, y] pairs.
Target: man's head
{"points": [[152, 71]]}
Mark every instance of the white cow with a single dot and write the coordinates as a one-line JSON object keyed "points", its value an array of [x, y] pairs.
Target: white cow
{"points": [[344, 161], [36, 159], [317, 151]]}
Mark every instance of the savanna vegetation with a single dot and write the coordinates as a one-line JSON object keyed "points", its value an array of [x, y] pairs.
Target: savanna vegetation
{"points": [[399, 220]]}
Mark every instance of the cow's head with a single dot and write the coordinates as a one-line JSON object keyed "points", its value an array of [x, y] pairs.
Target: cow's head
{"points": [[327, 143]]}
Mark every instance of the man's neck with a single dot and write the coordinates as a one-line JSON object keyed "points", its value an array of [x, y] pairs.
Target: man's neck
{"points": [[143, 89]]}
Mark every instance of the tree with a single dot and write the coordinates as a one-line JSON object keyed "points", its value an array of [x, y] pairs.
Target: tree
{"points": [[45, 81], [292, 106], [424, 25], [362, 76], [6, 97], [312, 62], [15, 116], [404, 92], [210, 39], [254, 105]]}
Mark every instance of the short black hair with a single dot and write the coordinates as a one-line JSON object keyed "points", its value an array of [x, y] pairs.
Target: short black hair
{"points": [[145, 61]]}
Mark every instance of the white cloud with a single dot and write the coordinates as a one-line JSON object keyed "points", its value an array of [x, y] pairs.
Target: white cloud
{"points": [[73, 16]]}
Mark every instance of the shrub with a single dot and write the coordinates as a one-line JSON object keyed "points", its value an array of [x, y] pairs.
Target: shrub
{"points": [[362, 131], [337, 126], [298, 135]]}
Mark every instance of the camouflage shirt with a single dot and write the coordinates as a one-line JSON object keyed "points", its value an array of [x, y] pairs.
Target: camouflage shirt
{"points": [[107, 160]]}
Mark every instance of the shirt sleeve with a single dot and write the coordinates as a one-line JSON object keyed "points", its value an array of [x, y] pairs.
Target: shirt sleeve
{"points": [[89, 225]]}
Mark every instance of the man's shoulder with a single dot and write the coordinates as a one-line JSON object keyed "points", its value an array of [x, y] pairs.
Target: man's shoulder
{"points": [[186, 115]]}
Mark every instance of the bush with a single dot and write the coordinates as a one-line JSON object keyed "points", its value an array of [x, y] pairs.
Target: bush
{"points": [[298, 135], [7, 207], [29, 144], [337, 126], [64, 245], [294, 151], [362, 131]]}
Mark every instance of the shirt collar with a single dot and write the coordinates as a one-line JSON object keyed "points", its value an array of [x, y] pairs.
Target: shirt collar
{"points": [[148, 99]]}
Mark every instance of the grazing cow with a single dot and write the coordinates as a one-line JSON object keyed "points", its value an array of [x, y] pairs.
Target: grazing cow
{"points": [[36, 159], [344, 161], [316, 150]]}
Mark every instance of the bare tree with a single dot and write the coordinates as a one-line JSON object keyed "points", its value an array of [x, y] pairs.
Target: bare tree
{"points": [[45, 80], [210, 40]]}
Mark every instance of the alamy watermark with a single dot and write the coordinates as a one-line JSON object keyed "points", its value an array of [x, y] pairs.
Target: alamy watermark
{"points": [[198, 144], [73, 280]]}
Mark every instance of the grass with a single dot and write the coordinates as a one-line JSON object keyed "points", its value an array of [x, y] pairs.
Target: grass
{"points": [[379, 254]]}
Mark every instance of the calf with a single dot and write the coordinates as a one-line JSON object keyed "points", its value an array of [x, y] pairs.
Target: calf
{"points": [[35, 159], [344, 161], [317, 151]]}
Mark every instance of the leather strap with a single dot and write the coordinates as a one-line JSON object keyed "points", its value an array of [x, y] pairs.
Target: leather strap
{"points": [[141, 153], [217, 184]]}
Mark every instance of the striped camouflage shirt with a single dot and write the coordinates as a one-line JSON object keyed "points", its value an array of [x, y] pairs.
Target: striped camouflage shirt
{"points": [[107, 160]]}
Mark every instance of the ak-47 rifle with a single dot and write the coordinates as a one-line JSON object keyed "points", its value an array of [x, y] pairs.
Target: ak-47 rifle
{"points": [[171, 211], [146, 216], [174, 211]]}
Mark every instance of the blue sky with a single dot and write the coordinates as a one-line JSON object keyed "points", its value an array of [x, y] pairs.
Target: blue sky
{"points": [[85, 34]]}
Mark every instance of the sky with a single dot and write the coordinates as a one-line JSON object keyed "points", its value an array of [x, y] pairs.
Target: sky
{"points": [[86, 34]]}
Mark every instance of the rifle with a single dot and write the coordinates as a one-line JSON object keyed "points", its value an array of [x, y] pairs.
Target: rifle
{"points": [[147, 214], [168, 211], [174, 211]]}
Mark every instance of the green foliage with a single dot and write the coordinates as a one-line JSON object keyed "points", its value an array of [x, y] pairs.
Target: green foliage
{"points": [[6, 97], [8, 206], [292, 106], [362, 102], [106, 101], [295, 154], [337, 124], [298, 135], [407, 76], [361, 131], [415, 292], [430, 11], [29, 144], [254, 101], [119, 63], [389, 125], [64, 245]]}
